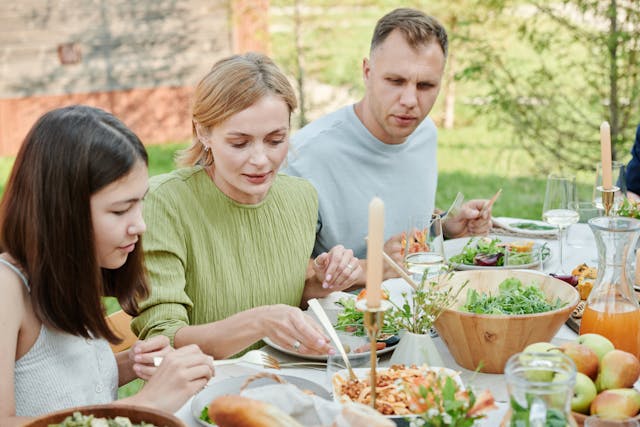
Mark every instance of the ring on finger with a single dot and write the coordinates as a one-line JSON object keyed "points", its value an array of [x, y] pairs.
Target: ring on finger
{"points": [[349, 266], [296, 345]]}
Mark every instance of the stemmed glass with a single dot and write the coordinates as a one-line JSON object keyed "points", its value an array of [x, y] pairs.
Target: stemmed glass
{"points": [[560, 207]]}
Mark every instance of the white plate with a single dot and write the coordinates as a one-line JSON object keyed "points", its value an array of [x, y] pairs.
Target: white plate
{"points": [[345, 338], [454, 247], [364, 373], [232, 386], [507, 224]]}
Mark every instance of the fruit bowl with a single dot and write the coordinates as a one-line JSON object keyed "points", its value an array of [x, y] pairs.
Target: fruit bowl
{"points": [[486, 341], [136, 414], [580, 418]]}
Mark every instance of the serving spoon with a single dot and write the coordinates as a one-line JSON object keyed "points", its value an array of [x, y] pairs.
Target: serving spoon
{"points": [[317, 309]]}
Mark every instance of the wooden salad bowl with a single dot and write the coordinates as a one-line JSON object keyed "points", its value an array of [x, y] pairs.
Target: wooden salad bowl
{"points": [[486, 341], [136, 414]]}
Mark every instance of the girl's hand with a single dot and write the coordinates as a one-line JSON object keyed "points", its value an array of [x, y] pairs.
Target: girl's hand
{"points": [[142, 353]]}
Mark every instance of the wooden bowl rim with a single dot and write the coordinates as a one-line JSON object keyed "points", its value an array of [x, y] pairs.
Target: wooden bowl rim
{"points": [[86, 410], [571, 305]]}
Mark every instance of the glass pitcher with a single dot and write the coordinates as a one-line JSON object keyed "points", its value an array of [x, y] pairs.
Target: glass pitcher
{"points": [[540, 389], [612, 309]]}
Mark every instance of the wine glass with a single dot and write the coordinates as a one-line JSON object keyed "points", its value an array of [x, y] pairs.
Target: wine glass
{"points": [[424, 246], [619, 179], [560, 207]]}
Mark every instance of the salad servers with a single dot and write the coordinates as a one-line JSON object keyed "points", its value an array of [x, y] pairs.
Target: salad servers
{"points": [[317, 309]]}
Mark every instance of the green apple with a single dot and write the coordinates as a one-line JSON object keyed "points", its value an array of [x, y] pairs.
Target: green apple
{"points": [[584, 357], [599, 344], [583, 393], [618, 369], [616, 404], [528, 357]]}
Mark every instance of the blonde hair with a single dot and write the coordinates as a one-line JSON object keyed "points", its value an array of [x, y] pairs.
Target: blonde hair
{"points": [[233, 84]]}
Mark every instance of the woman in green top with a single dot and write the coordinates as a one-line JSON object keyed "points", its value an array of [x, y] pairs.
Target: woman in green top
{"points": [[229, 241]]}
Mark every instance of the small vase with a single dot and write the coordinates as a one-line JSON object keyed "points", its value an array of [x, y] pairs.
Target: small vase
{"points": [[416, 349]]}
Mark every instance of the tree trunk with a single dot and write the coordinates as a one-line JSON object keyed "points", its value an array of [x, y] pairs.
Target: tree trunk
{"points": [[297, 22], [613, 75]]}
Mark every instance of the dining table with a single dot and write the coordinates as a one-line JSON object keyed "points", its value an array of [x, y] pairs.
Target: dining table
{"points": [[580, 248]]}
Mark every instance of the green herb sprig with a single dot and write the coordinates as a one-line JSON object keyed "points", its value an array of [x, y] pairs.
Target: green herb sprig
{"points": [[418, 311]]}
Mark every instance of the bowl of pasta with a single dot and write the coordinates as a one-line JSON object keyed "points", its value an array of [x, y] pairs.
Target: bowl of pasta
{"points": [[500, 312], [114, 415], [404, 393]]}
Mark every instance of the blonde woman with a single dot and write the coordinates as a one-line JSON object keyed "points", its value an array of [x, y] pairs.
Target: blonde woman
{"points": [[229, 240]]}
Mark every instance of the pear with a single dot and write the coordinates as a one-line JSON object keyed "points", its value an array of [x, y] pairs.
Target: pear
{"points": [[584, 357], [616, 404], [596, 342], [618, 369]]}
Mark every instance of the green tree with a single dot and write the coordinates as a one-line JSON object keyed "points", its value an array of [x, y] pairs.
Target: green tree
{"points": [[573, 66]]}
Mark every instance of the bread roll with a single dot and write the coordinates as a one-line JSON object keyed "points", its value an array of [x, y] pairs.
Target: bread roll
{"points": [[359, 415], [240, 411]]}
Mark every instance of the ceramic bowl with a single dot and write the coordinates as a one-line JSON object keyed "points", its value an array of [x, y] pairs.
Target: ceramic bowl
{"points": [[486, 341]]}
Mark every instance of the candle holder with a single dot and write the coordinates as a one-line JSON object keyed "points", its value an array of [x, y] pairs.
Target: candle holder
{"points": [[373, 317], [608, 195]]}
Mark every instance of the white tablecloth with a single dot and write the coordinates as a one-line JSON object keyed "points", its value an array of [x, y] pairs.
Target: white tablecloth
{"points": [[580, 248]]}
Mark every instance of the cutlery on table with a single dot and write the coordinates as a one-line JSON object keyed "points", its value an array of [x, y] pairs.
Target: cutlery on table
{"points": [[254, 357], [399, 270], [315, 306]]}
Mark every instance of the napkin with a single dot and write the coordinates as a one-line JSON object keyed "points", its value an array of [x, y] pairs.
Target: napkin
{"points": [[311, 410]]}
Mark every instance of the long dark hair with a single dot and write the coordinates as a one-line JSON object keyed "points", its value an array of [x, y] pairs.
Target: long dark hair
{"points": [[45, 218]]}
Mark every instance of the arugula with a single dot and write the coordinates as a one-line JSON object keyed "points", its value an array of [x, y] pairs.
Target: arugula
{"points": [[512, 298], [477, 246], [204, 416], [352, 320]]}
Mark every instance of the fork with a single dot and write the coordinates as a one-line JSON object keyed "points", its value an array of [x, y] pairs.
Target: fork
{"points": [[254, 357]]}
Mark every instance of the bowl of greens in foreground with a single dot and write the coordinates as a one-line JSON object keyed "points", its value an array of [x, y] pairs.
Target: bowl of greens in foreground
{"points": [[111, 415], [500, 312]]}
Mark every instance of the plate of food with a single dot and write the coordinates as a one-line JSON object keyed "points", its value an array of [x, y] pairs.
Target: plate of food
{"points": [[478, 253], [349, 324], [235, 386], [405, 392], [528, 227]]}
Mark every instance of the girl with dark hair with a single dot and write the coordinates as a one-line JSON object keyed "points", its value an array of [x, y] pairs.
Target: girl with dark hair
{"points": [[70, 221]]}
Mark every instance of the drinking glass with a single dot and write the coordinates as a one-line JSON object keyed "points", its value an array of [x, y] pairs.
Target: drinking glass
{"points": [[424, 246], [619, 179], [533, 259], [586, 210], [560, 206]]}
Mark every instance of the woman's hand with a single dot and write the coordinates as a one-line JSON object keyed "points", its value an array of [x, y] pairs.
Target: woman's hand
{"points": [[337, 269], [469, 221], [290, 328], [142, 353], [182, 373]]}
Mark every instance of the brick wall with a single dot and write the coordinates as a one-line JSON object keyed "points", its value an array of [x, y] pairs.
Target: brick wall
{"points": [[138, 59]]}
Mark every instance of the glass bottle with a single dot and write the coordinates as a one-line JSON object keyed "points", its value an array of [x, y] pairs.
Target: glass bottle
{"points": [[540, 387], [612, 309]]}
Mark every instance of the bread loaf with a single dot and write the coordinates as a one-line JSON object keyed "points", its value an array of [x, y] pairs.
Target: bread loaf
{"points": [[240, 411]]}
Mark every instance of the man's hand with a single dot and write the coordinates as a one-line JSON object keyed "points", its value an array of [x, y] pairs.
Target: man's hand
{"points": [[468, 221]]}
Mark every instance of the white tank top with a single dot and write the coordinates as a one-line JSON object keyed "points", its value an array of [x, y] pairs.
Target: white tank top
{"points": [[62, 370]]}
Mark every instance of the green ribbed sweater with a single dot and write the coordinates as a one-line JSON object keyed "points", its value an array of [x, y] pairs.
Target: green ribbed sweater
{"points": [[210, 257]]}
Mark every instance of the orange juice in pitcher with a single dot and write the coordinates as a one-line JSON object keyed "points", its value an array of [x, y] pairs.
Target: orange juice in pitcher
{"points": [[612, 308]]}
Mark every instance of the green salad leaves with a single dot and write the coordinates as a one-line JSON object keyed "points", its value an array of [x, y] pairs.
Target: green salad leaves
{"points": [[512, 298]]}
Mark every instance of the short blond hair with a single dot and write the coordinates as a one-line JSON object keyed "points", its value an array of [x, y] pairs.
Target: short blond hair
{"points": [[234, 84], [417, 27]]}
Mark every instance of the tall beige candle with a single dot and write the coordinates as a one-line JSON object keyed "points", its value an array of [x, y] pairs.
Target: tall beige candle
{"points": [[605, 154], [375, 244]]}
